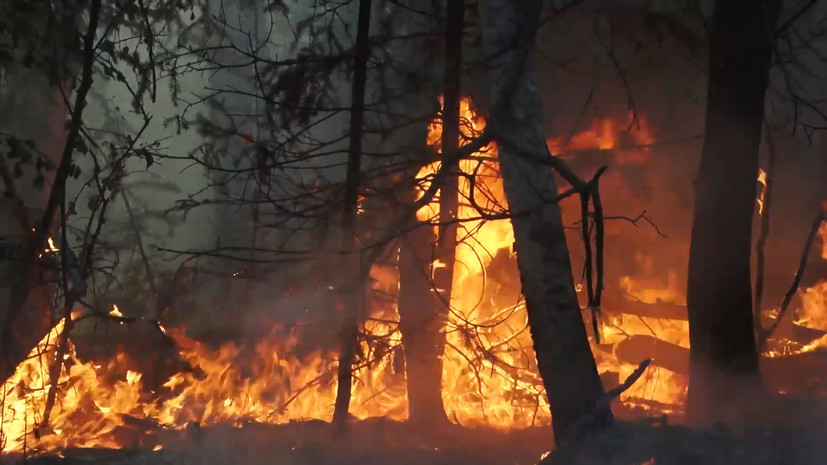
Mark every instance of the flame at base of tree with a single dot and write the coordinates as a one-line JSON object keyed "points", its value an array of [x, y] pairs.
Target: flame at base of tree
{"points": [[489, 369], [225, 386]]}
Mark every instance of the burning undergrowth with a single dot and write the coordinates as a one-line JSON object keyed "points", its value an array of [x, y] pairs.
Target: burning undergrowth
{"points": [[489, 371]]}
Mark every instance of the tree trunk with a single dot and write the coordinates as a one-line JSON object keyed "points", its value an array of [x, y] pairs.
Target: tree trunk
{"points": [[426, 303], [724, 359], [353, 295], [448, 195], [421, 322], [564, 358]]}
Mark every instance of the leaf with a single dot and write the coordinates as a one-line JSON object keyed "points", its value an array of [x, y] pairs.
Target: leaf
{"points": [[147, 156], [81, 147], [107, 46], [75, 171], [93, 202]]}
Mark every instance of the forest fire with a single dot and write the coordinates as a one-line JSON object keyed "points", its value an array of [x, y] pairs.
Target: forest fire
{"points": [[489, 370], [244, 232]]}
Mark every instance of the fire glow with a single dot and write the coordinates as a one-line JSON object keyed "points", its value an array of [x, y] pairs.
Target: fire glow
{"points": [[489, 370]]}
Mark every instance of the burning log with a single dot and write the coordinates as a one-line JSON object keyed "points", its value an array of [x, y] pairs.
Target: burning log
{"points": [[802, 334], [796, 373], [663, 354], [614, 304]]}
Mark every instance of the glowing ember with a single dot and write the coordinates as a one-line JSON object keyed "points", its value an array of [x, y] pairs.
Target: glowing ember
{"points": [[50, 247], [115, 312]]}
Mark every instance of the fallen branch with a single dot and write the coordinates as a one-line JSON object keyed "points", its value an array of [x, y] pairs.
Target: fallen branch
{"points": [[788, 297], [619, 304]]}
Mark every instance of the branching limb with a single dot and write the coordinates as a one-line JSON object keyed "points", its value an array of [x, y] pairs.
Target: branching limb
{"points": [[567, 447], [788, 297]]}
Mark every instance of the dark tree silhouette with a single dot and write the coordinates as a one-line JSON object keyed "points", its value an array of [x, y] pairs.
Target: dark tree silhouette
{"points": [[433, 299], [353, 295], [564, 358], [724, 359]]}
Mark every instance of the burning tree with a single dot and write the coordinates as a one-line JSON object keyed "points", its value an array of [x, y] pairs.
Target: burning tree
{"points": [[265, 158], [55, 52], [377, 250], [563, 356]]}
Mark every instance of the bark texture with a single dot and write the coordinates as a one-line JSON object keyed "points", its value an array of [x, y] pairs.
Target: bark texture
{"points": [[421, 324], [724, 359], [564, 357]]}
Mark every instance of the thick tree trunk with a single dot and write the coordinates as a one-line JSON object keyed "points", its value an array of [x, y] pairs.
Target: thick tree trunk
{"points": [[421, 320], [724, 359], [564, 357], [353, 295], [448, 195], [425, 303]]}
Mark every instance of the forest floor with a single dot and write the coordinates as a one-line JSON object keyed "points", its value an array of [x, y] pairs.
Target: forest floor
{"points": [[379, 441]]}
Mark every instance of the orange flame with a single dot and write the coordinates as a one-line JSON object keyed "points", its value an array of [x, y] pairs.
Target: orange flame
{"points": [[629, 144], [762, 179], [489, 369], [505, 390], [271, 386]]}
